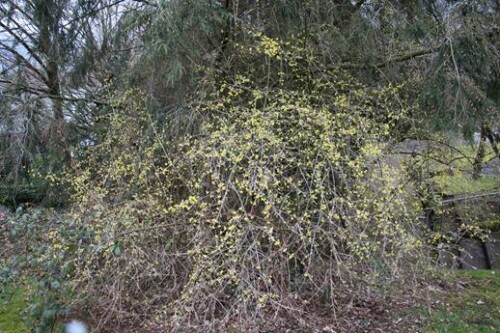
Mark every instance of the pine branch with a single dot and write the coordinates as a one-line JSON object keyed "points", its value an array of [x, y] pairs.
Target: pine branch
{"points": [[28, 48], [390, 60], [97, 9], [46, 94], [19, 26], [26, 62]]}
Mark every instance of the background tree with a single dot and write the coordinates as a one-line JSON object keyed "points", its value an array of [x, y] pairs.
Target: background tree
{"points": [[54, 58]]}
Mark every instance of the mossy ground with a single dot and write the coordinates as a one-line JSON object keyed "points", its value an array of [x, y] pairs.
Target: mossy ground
{"points": [[12, 303], [474, 308]]}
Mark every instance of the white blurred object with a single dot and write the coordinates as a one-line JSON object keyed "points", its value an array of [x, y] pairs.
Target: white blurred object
{"points": [[76, 327]]}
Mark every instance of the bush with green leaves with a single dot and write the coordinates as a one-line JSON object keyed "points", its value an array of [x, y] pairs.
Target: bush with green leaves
{"points": [[35, 266]]}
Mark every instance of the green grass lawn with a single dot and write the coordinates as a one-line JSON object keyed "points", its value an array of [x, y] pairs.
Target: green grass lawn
{"points": [[460, 182], [464, 184], [473, 309]]}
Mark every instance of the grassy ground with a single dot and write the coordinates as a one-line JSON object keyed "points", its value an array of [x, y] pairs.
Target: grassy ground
{"points": [[460, 161], [464, 184], [473, 309], [12, 303]]}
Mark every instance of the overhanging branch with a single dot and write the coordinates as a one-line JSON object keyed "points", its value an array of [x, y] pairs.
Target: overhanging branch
{"points": [[389, 60], [46, 94], [20, 40]]}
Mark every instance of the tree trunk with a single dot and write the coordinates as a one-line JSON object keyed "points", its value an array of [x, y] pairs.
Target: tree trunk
{"points": [[49, 46], [58, 124], [492, 139], [478, 160]]}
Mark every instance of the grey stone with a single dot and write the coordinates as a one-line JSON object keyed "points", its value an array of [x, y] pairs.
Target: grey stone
{"points": [[4, 212], [472, 254], [493, 249]]}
